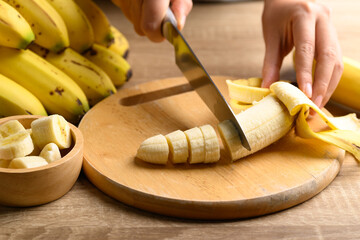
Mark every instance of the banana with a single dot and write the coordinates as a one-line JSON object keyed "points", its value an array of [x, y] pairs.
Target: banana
{"points": [[212, 146], [121, 44], [10, 127], [51, 129], [178, 146], [116, 67], [48, 26], [246, 90], [4, 163], [79, 29], [15, 31], [99, 22], [50, 152], [19, 144], [348, 90], [16, 100], [56, 91], [95, 83], [264, 123], [28, 162], [154, 150]]}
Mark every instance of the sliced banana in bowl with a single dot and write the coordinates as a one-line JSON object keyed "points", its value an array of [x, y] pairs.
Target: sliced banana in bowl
{"points": [[40, 159]]}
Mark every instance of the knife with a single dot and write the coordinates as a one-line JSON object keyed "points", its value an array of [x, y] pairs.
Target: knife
{"points": [[197, 76]]}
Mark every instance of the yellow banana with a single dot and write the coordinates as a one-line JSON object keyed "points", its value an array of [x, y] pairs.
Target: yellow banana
{"points": [[80, 32], [268, 120], [16, 100], [56, 91], [15, 31], [95, 83], [48, 26], [27, 162], [99, 22], [348, 90], [121, 44], [116, 67]]}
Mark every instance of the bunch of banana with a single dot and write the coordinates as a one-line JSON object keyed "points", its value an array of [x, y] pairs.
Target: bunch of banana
{"points": [[58, 56], [271, 117], [17, 144]]}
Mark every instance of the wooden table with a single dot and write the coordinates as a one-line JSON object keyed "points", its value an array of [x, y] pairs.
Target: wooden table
{"points": [[228, 40]]}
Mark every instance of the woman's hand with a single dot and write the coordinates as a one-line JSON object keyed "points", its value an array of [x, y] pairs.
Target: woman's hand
{"points": [[305, 25], [147, 15]]}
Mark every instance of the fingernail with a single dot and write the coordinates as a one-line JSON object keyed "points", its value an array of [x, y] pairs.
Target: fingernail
{"points": [[181, 22], [308, 90], [318, 100]]}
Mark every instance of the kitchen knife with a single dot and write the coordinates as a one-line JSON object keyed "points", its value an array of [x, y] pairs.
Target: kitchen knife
{"points": [[197, 76]]}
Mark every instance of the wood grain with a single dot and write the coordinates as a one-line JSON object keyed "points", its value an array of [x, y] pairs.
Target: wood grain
{"points": [[230, 45], [278, 177]]}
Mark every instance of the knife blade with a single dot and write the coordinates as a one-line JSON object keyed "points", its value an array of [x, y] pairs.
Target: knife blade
{"points": [[197, 76]]}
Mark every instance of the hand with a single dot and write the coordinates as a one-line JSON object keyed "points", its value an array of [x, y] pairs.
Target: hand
{"points": [[147, 15], [307, 26]]}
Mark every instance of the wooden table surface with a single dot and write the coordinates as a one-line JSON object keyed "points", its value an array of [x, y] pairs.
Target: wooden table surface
{"points": [[228, 40]]}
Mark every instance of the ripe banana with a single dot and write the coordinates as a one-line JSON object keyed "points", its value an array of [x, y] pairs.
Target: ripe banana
{"points": [[267, 121], [50, 152], [56, 91], [120, 45], [348, 90], [51, 129], [15, 31], [195, 145], [99, 22], [48, 26], [10, 127], [16, 100], [16, 145], [116, 67], [95, 83], [27, 162], [80, 32], [154, 150], [178, 146]]}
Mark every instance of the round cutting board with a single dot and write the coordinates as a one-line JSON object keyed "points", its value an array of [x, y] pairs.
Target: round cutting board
{"points": [[282, 175]]}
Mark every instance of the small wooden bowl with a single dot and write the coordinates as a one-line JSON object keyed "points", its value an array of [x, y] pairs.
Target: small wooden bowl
{"points": [[35, 186]]}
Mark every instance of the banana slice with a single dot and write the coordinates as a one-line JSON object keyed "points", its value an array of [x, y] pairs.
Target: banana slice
{"points": [[28, 162], [196, 144], [11, 127], [154, 150], [212, 146], [4, 163], [16, 145], [49, 129], [178, 144], [50, 152]]}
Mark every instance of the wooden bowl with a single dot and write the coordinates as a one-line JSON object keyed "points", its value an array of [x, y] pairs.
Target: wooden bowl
{"points": [[35, 186]]}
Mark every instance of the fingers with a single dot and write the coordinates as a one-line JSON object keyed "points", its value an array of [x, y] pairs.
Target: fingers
{"points": [[304, 42], [272, 62], [329, 63], [153, 13], [181, 9]]}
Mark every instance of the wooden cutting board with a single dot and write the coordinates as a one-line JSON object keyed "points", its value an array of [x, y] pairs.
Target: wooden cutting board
{"points": [[280, 176]]}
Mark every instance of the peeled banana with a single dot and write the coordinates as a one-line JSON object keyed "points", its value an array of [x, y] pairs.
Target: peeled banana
{"points": [[263, 123], [95, 83], [51, 129], [99, 22], [15, 31], [79, 29], [50, 152], [11, 127], [48, 26], [17, 100], [116, 67], [56, 91], [16, 145], [27, 162]]}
